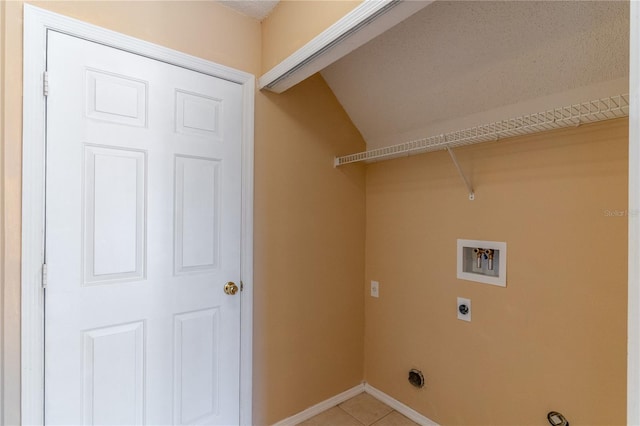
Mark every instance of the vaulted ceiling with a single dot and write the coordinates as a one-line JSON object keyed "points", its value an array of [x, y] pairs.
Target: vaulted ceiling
{"points": [[458, 64], [461, 58]]}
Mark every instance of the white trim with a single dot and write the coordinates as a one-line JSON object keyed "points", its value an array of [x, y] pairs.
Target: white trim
{"points": [[633, 312], [399, 406], [36, 24], [246, 257], [322, 406], [365, 22], [32, 305]]}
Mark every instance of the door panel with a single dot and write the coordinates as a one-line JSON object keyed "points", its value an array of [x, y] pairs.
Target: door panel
{"points": [[196, 214], [196, 365], [113, 374], [143, 231], [114, 214], [116, 98], [198, 115]]}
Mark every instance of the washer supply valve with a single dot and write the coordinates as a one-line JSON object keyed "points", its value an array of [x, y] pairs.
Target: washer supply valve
{"points": [[478, 252]]}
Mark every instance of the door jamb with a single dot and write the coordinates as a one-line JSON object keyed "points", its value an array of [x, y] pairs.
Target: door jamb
{"points": [[37, 22]]}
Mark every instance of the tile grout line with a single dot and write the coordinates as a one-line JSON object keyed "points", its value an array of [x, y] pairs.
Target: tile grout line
{"points": [[383, 417], [350, 415], [376, 421]]}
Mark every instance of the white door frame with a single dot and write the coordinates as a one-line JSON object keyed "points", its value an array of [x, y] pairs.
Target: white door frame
{"points": [[37, 22]]}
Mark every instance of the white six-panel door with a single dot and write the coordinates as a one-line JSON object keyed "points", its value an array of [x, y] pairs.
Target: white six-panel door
{"points": [[143, 206]]}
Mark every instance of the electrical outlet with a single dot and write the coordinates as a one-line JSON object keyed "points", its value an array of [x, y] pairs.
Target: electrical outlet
{"points": [[375, 289], [464, 309]]}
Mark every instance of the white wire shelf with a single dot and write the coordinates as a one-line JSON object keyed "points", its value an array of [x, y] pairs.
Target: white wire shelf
{"points": [[573, 115]]}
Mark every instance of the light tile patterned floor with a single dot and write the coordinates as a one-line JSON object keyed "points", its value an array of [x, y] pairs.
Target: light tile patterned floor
{"points": [[360, 410]]}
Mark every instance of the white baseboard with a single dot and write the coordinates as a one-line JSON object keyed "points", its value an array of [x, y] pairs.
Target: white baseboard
{"points": [[348, 394], [323, 406], [399, 406]]}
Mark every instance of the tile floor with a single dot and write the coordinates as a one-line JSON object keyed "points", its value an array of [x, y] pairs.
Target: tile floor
{"points": [[360, 410]]}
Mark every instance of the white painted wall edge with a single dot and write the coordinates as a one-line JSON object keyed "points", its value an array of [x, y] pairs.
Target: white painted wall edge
{"points": [[36, 24], [350, 393], [633, 310], [338, 40]]}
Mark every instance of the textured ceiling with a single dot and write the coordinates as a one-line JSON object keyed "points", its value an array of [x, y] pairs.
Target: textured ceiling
{"points": [[454, 59], [257, 9]]}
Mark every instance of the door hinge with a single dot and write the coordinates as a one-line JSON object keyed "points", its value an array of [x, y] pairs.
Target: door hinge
{"points": [[44, 275], [45, 83]]}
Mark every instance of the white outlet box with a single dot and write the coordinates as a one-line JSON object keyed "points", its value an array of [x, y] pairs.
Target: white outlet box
{"points": [[375, 289], [464, 309]]}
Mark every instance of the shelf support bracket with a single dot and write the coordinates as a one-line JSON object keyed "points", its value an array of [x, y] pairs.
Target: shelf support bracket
{"points": [[464, 178]]}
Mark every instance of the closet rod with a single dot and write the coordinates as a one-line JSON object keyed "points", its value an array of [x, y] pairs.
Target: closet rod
{"points": [[573, 115]]}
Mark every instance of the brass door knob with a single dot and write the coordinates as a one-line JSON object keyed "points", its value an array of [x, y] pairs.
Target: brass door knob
{"points": [[230, 288]]}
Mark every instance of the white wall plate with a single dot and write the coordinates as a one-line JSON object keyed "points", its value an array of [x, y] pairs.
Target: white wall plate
{"points": [[468, 269]]}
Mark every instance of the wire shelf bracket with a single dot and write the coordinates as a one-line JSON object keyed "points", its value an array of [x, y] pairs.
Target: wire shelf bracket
{"points": [[573, 115], [472, 196]]}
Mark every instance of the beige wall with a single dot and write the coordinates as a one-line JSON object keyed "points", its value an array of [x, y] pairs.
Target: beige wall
{"points": [[309, 217], [309, 245], [293, 23], [555, 337]]}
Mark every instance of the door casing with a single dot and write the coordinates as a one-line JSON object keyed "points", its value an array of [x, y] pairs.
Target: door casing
{"points": [[37, 22]]}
